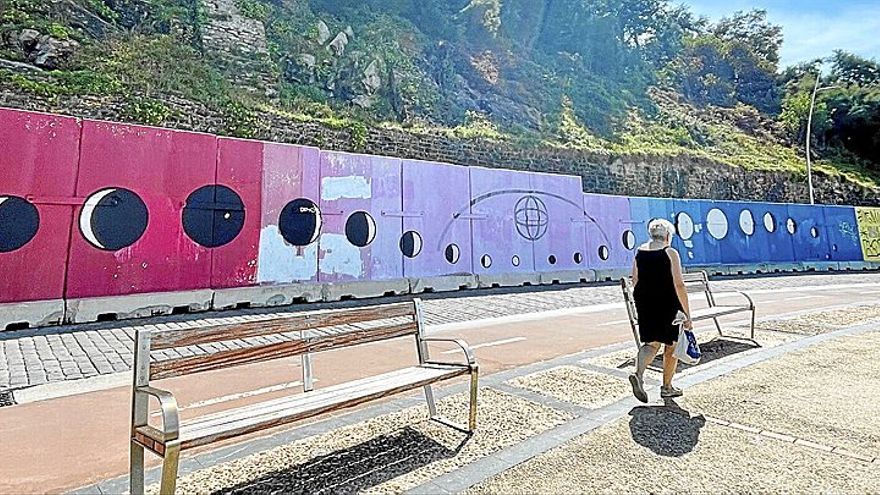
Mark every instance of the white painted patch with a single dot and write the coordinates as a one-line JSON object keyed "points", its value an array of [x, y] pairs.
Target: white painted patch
{"points": [[716, 222], [278, 261], [340, 256], [684, 224], [747, 222], [351, 187]]}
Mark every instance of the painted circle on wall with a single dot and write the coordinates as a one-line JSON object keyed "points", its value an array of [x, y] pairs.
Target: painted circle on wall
{"points": [[791, 226], [213, 216], [769, 222], [113, 219], [629, 240], [747, 222], [814, 232], [360, 229], [19, 223], [604, 253], [551, 259], [300, 222], [530, 215], [452, 253], [515, 261], [486, 261], [684, 225], [716, 223], [578, 258], [411, 244]]}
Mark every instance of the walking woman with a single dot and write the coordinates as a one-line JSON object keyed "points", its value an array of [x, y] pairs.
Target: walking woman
{"points": [[659, 295]]}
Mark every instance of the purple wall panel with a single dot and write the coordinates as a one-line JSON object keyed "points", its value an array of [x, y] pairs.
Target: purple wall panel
{"points": [[608, 220], [436, 205], [497, 245], [291, 220], [561, 213], [38, 161], [360, 240]]}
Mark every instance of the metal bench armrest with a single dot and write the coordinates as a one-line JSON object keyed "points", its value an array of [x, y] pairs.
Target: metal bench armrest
{"points": [[468, 353], [170, 419], [746, 296]]}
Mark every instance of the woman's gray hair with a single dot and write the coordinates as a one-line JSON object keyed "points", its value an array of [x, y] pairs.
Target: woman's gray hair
{"points": [[659, 229]]}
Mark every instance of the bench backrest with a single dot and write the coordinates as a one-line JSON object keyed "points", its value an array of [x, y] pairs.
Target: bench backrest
{"points": [[291, 335], [696, 282]]}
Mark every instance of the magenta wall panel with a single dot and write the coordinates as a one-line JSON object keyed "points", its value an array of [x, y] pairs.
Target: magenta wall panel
{"points": [[235, 214], [500, 200], [559, 221], [135, 182], [437, 230], [38, 161], [360, 202], [609, 227], [291, 221]]}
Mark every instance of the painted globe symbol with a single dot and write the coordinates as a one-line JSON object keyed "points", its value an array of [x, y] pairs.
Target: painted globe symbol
{"points": [[530, 214]]}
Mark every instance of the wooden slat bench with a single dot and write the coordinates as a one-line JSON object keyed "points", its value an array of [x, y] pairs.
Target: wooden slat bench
{"points": [[301, 335], [697, 282]]}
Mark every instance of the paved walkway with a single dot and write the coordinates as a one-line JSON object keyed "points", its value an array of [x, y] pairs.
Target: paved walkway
{"points": [[753, 419], [30, 358]]}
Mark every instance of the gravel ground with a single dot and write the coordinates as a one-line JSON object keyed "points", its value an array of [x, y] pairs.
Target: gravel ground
{"points": [[826, 394], [575, 385], [824, 321], [714, 348], [390, 453], [659, 451]]}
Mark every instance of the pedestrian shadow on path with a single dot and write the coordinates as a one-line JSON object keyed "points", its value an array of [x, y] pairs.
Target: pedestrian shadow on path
{"points": [[717, 348], [352, 470], [667, 430]]}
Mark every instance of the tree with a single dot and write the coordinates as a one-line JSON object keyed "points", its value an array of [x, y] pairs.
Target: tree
{"points": [[752, 29]]}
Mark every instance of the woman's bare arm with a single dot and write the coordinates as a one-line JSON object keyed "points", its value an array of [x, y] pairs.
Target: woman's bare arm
{"points": [[635, 273], [678, 280]]}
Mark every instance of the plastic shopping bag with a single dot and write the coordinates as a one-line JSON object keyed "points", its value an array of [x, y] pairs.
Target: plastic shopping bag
{"points": [[687, 350]]}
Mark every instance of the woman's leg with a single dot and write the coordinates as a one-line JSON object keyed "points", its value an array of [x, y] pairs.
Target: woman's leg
{"points": [[645, 356], [670, 362]]}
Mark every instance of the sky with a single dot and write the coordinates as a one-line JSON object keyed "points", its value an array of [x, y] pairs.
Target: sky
{"points": [[812, 28]]}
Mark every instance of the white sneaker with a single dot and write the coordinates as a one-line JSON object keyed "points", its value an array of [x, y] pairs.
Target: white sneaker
{"points": [[638, 386]]}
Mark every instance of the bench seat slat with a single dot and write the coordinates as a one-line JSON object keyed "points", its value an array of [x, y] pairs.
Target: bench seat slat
{"points": [[259, 353], [707, 313], [228, 329], [255, 418]]}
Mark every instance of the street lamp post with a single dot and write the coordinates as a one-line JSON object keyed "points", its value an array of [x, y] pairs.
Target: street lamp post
{"points": [[816, 90]]}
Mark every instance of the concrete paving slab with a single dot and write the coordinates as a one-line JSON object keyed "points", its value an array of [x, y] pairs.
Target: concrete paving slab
{"points": [[575, 385]]}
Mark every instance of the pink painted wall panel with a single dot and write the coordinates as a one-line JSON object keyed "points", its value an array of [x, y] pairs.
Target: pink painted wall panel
{"points": [[240, 169], [136, 181], [291, 221], [38, 161]]}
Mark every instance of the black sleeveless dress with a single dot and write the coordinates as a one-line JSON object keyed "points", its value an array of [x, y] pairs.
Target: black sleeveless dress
{"points": [[656, 300]]}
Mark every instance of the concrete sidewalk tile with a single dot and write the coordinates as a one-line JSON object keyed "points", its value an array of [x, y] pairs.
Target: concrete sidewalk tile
{"points": [[813, 445], [749, 429], [853, 455], [778, 436]]}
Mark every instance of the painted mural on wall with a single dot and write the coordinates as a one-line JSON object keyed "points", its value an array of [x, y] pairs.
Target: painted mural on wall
{"points": [[100, 209], [869, 232]]}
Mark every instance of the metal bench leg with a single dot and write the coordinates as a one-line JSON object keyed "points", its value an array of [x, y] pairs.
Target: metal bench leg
{"points": [[753, 323], [472, 413], [169, 469], [136, 469], [429, 398], [308, 381], [718, 326]]}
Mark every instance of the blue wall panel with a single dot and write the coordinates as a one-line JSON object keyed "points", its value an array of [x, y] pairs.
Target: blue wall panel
{"points": [[810, 238], [843, 233], [747, 240], [687, 217]]}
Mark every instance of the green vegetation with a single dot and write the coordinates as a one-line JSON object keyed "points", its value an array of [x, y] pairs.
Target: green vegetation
{"points": [[622, 76]]}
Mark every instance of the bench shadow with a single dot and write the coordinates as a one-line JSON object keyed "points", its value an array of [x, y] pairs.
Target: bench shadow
{"points": [[714, 349], [667, 430], [355, 469]]}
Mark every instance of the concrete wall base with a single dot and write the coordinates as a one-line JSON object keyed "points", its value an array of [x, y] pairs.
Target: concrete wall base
{"points": [[486, 281], [446, 283], [612, 275], [136, 305], [31, 314], [266, 296], [564, 277], [364, 289]]}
